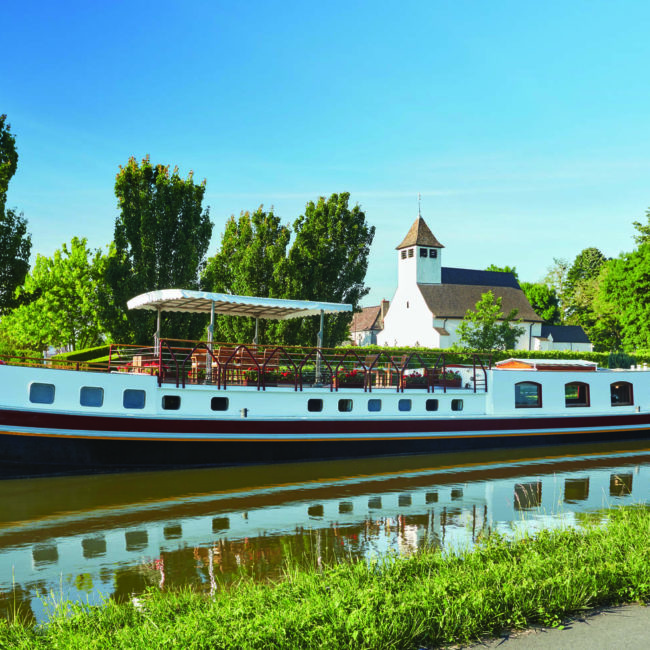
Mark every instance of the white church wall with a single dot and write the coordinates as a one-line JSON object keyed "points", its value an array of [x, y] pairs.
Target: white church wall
{"points": [[408, 321]]}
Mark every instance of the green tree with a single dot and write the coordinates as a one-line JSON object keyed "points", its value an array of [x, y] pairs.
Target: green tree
{"points": [[504, 269], [64, 296], [488, 328], [251, 261], [161, 237], [543, 300], [624, 298], [327, 262], [15, 242], [556, 278]]}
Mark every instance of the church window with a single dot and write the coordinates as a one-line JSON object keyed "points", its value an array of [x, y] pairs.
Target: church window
{"points": [[423, 252], [433, 252], [410, 252], [403, 254]]}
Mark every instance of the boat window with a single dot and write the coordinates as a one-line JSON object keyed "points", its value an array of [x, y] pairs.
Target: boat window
{"points": [[456, 404], [374, 405], [171, 402], [432, 405], [219, 403], [404, 405], [91, 396], [41, 393], [345, 405], [576, 393], [621, 392], [528, 395], [133, 399], [314, 405], [424, 252]]}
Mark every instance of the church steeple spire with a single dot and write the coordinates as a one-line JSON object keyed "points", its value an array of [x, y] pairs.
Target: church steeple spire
{"points": [[420, 235]]}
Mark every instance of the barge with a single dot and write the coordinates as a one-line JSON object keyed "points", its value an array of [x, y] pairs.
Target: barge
{"points": [[191, 404]]}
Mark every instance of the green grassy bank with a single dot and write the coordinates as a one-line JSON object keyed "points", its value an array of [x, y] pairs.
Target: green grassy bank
{"points": [[420, 601]]}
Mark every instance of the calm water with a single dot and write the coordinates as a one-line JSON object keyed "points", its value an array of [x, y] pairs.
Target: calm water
{"points": [[91, 538]]}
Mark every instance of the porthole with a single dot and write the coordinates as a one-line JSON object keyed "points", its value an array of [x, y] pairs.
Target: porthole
{"points": [[431, 405], [456, 404], [374, 405], [314, 405], [345, 405], [404, 405], [41, 393], [219, 403], [171, 402], [91, 396], [133, 399]]}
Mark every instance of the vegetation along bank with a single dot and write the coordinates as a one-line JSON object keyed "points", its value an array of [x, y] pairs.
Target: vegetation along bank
{"points": [[422, 601]]}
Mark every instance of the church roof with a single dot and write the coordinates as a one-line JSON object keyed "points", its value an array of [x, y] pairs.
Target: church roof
{"points": [[366, 319], [453, 300], [420, 235], [565, 333], [480, 278]]}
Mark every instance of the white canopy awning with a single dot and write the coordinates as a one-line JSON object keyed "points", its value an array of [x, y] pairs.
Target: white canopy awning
{"points": [[202, 302]]}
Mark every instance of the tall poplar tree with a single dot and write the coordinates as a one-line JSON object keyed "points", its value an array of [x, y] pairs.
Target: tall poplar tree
{"points": [[251, 261], [15, 242], [327, 262], [161, 238]]}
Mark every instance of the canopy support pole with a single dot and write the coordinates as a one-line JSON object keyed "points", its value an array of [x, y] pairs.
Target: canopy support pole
{"points": [[156, 338], [208, 358], [257, 325], [319, 345]]}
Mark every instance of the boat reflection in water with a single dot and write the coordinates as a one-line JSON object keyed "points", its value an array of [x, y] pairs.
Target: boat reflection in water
{"points": [[89, 538]]}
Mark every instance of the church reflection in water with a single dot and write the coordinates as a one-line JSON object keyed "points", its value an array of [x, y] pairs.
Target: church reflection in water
{"points": [[87, 538]]}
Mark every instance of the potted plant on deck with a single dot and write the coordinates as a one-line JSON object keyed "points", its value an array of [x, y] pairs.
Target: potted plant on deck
{"points": [[415, 380], [350, 378], [450, 379]]}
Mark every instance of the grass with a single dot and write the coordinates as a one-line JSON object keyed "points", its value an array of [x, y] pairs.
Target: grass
{"points": [[422, 601]]}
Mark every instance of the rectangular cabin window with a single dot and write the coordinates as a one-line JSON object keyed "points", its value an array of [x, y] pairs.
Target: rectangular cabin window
{"points": [[433, 253], [456, 404], [133, 399], [171, 402], [374, 405], [91, 396], [424, 252], [410, 252], [219, 403], [314, 405], [345, 405], [431, 405], [41, 393], [404, 254], [404, 405], [528, 395]]}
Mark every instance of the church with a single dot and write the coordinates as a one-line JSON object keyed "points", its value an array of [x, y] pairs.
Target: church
{"points": [[431, 301]]}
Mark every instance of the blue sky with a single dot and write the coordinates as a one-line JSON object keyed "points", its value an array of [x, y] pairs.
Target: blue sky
{"points": [[525, 126]]}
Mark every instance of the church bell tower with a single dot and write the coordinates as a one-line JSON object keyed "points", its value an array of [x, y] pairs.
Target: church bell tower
{"points": [[419, 256]]}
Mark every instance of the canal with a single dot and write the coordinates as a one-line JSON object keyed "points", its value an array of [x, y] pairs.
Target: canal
{"points": [[90, 538]]}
